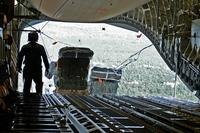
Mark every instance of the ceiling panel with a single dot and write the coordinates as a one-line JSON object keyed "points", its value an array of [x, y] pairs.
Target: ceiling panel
{"points": [[85, 10]]}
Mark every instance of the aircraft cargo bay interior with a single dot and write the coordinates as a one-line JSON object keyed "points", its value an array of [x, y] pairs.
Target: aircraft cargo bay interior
{"points": [[99, 66]]}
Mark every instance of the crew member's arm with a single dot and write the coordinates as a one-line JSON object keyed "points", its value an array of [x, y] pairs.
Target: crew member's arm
{"points": [[45, 60], [20, 59]]}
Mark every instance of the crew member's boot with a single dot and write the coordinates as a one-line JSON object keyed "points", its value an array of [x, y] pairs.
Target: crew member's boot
{"points": [[39, 88]]}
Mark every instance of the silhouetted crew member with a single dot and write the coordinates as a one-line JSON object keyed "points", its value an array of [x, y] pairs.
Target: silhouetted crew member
{"points": [[33, 67]]}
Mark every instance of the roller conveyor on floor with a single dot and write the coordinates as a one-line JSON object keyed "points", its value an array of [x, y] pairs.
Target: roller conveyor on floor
{"points": [[101, 114], [32, 115]]}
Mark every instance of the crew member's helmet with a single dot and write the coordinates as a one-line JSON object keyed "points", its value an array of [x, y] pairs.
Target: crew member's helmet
{"points": [[32, 37]]}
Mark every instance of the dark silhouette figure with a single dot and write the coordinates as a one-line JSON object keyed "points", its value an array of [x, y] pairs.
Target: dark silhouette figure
{"points": [[32, 61]]}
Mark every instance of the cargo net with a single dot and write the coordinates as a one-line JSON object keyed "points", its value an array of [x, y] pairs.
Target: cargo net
{"points": [[104, 80], [72, 70]]}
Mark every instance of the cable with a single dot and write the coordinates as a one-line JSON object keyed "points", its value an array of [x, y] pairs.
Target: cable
{"points": [[124, 64], [39, 31], [44, 25], [31, 26], [45, 47], [175, 82]]}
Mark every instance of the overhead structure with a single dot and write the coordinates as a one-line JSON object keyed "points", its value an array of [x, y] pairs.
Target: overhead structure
{"points": [[84, 10]]}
